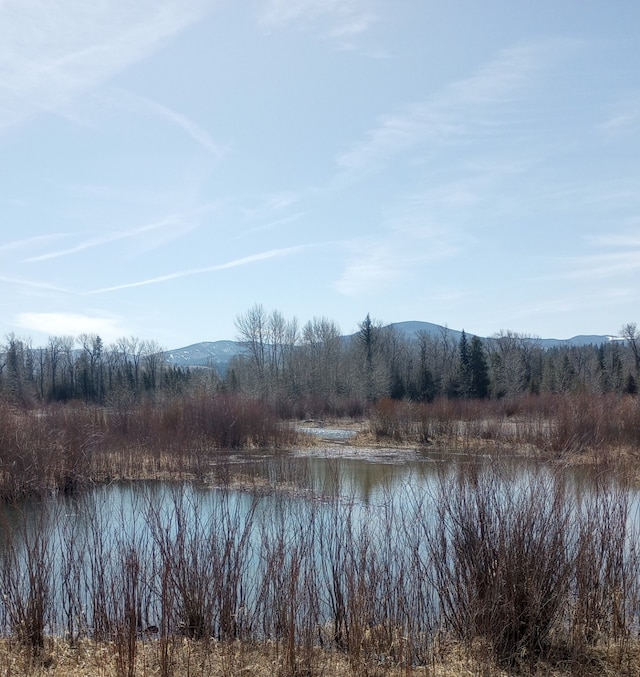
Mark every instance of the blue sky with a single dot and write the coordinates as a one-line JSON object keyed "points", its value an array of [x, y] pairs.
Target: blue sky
{"points": [[167, 164]]}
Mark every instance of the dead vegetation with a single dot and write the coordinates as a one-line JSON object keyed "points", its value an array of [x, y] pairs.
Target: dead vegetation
{"points": [[489, 572], [548, 426]]}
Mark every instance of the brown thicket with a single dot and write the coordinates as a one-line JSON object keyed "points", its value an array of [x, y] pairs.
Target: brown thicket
{"points": [[521, 571]]}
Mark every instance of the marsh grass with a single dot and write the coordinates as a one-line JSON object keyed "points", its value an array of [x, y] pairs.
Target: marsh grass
{"points": [[67, 447], [552, 425], [489, 572], [510, 571]]}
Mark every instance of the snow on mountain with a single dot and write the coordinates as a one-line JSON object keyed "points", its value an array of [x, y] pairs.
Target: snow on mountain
{"points": [[216, 354], [219, 354]]}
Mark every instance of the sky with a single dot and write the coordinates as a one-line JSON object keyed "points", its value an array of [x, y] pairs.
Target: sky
{"points": [[165, 165]]}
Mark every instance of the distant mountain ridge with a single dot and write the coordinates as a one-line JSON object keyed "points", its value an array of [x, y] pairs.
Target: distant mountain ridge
{"points": [[413, 328], [216, 354], [219, 354]]}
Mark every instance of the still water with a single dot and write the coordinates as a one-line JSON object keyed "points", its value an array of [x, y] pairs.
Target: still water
{"points": [[226, 556]]}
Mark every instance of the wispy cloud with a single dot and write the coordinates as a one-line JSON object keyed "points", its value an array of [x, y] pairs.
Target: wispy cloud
{"points": [[285, 12], [563, 303], [602, 266], [618, 256], [370, 269], [195, 131], [416, 232], [381, 264], [624, 240], [50, 52], [36, 284], [235, 263], [271, 225], [143, 105], [171, 228], [359, 23], [624, 116], [29, 242], [72, 324], [340, 20], [262, 205], [467, 106]]}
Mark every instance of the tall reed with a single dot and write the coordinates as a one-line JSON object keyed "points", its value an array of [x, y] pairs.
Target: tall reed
{"points": [[523, 568], [65, 447]]}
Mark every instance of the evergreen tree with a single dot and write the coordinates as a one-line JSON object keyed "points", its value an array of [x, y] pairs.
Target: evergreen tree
{"points": [[567, 375], [478, 369], [428, 388], [604, 380], [464, 367], [15, 370], [398, 389], [368, 336], [426, 385], [631, 387]]}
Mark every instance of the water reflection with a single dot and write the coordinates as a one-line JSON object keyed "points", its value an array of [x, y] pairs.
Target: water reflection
{"points": [[226, 552]]}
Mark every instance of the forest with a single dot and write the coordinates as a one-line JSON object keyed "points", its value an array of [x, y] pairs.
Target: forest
{"points": [[315, 371]]}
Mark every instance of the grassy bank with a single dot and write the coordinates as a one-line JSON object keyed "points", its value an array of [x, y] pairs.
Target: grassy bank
{"points": [[240, 659]]}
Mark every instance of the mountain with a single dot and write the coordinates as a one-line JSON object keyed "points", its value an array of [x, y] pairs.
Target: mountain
{"points": [[412, 329], [219, 354], [581, 340], [216, 354]]}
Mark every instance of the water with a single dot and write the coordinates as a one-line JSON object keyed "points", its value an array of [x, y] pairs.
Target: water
{"points": [[338, 531]]}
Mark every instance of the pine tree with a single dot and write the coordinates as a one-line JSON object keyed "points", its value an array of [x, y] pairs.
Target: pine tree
{"points": [[478, 369], [464, 367], [368, 336], [630, 386]]}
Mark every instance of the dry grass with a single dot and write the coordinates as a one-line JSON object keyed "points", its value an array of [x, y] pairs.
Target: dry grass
{"points": [[64, 447], [575, 428], [389, 586], [186, 658], [241, 659]]}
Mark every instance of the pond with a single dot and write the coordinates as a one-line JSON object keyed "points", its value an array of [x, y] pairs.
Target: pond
{"points": [[318, 540]]}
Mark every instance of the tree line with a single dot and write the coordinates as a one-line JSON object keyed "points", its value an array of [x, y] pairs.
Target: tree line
{"points": [[83, 368], [285, 360], [316, 367]]}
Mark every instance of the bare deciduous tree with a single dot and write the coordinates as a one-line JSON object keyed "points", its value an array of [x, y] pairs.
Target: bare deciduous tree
{"points": [[631, 335]]}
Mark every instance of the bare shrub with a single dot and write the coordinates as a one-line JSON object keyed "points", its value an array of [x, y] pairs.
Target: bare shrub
{"points": [[26, 564], [287, 595], [580, 423], [501, 550], [393, 420], [204, 558], [550, 423], [127, 605], [438, 421], [606, 568], [222, 421], [524, 564], [627, 421]]}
